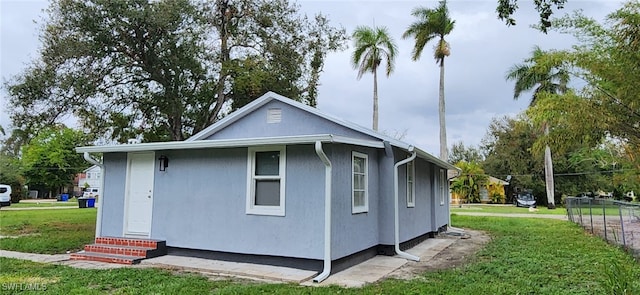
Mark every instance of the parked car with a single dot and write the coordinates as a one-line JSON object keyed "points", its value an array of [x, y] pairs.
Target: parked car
{"points": [[524, 200], [5, 195], [91, 192]]}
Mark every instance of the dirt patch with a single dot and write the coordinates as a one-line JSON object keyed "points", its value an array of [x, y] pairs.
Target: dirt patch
{"points": [[456, 255]]}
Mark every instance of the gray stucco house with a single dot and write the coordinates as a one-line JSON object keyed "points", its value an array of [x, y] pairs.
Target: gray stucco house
{"points": [[275, 182]]}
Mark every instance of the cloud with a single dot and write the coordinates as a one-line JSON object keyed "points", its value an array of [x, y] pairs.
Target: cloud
{"points": [[483, 48]]}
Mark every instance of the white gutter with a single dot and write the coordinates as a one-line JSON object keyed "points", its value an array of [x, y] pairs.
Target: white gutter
{"points": [[395, 205], [99, 203], [228, 143], [327, 214]]}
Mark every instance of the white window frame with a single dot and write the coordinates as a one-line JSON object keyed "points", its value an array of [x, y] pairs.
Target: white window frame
{"points": [[365, 207], [411, 184], [443, 178], [251, 182]]}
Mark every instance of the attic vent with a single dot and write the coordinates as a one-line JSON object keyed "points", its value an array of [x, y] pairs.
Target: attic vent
{"points": [[274, 115]]}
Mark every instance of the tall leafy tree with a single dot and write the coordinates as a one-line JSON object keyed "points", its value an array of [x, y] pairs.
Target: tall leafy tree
{"points": [[469, 182], [506, 9], [433, 24], [541, 78], [372, 47], [164, 70], [460, 152], [607, 58], [50, 159]]}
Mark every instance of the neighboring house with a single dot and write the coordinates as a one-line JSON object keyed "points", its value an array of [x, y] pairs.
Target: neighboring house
{"points": [[492, 192], [276, 182], [90, 177]]}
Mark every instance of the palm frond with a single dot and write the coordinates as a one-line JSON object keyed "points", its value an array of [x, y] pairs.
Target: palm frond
{"points": [[430, 24]]}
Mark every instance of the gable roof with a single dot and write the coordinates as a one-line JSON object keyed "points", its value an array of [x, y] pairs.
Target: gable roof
{"points": [[199, 139], [271, 96], [90, 168]]}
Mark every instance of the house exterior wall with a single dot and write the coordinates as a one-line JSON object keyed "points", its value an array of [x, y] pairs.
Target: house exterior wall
{"points": [[413, 221], [200, 203], [386, 234], [294, 122], [112, 199], [351, 233], [441, 209]]}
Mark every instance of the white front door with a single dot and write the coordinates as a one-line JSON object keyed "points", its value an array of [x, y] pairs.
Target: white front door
{"points": [[139, 198]]}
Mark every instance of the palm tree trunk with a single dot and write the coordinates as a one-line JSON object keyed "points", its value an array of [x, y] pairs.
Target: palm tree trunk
{"points": [[375, 99], [548, 173], [441, 111]]}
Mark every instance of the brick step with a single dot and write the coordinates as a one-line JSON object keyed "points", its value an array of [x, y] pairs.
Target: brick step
{"points": [[147, 243], [102, 257], [118, 250], [121, 250]]}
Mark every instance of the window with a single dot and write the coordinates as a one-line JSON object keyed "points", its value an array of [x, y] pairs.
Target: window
{"points": [[88, 175], [360, 183], [98, 175], [265, 187], [411, 187], [443, 178]]}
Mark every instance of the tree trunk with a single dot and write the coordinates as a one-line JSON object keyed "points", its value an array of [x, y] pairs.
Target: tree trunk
{"points": [[441, 112], [375, 99], [548, 173], [225, 56]]}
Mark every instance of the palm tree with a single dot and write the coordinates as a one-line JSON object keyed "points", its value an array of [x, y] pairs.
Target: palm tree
{"points": [[432, 24], [540, 77], [372, 46]]}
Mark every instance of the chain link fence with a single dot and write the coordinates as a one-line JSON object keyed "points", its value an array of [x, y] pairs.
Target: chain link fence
{"points": [[615, 221]]}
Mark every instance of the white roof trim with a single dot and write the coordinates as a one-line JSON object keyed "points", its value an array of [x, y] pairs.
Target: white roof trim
{"points": [[269, 96], [198, 140], [228, 143]]}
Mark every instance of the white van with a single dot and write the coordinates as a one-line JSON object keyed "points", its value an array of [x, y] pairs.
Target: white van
{"points": [[91, 192], [5, 195]]}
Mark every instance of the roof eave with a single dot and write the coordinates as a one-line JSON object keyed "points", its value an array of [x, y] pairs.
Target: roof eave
{"points": [[228, 143]]}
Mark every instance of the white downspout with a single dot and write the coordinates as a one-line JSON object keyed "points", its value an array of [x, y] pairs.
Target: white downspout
{"points": [[327, 214], [99, 203], [395, 205]]}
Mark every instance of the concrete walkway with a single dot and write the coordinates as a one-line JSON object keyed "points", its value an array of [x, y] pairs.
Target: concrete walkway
{"points": [[62, 259], [380, 266], [367, 272], [39, 208], [518, 215], [233, 269]]}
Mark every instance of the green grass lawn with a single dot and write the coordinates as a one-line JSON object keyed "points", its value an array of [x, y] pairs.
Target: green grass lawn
{"points": [[73, 203], [47, 231], [610, 209], [525, 256], [507, 209]]}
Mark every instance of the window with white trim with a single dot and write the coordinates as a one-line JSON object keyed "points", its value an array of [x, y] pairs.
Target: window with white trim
{"points": [[443, 178], [411, 187], [359, 183], [265, 187]]}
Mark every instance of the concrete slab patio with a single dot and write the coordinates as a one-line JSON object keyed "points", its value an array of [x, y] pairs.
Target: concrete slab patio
{"points": [[367, 272], [379, 267]]}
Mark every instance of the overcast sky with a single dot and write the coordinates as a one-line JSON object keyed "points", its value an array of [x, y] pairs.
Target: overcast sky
{"points": [[482, 50]]}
